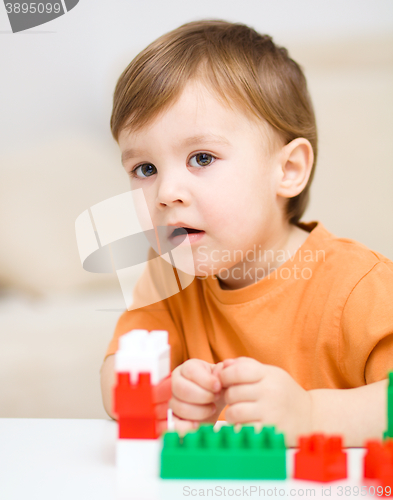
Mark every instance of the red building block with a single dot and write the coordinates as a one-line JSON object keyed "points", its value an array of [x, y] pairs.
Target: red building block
{"points": [[141, 408], [320, 458], [378, 457], [137, 428], [378, 464]]}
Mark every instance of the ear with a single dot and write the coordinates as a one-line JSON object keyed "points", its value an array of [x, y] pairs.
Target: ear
{"points": [[296, 163]]}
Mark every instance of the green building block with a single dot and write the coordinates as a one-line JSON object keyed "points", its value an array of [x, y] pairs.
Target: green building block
{"points": [[389, 432], [225, 454]]}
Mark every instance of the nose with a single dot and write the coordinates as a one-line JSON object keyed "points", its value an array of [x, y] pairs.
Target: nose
{"points": [[172, 191]]}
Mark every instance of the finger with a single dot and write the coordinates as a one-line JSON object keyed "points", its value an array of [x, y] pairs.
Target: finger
{"points": [[201, 373], [242, 371], [190, 392], [182, 426], [219, 395], [217, 368], [228, 362], [161, 410], [189, 411], [242, 393], [242, 413]]}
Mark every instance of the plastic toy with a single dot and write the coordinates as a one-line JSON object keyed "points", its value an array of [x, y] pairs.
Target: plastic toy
{"points": [[144, 352], [141, 408], [389, 431], [320, 458], [143, 386], [378, 464], [225, 454], [378, 460]]}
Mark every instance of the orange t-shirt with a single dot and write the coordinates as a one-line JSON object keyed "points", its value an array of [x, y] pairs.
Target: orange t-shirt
{"points": [[325, 315]]}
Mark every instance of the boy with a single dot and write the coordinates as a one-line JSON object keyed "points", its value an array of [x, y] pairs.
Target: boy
{"points": [[285, 324]]}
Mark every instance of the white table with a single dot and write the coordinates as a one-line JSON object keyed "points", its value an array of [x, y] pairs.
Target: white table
{"points": [[55, 459]]}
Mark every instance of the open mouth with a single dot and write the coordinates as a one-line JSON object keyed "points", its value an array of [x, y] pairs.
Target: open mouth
{"points": [[180, 231]]}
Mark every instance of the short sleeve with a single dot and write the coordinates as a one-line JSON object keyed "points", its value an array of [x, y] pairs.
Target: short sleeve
{"points": [[380, 361], [365, 343], [156, 281]]}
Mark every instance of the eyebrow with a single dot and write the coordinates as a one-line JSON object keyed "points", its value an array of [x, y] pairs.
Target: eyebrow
{"points": [[128, 154]]}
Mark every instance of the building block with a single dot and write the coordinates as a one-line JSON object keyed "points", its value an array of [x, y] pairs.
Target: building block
{"points": [[143, 385], [378, 464], [129, 453], [378, 460], [378, 456], [141, 408], [225, 454], [144, 352], [320, 458], [389, 431]]}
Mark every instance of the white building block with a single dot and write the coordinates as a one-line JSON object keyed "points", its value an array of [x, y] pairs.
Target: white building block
{"points": [[139, 457], [138, 469], [141, 351]]}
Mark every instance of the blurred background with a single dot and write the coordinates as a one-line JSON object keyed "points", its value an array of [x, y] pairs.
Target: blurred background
{"points": [[57, 158]]}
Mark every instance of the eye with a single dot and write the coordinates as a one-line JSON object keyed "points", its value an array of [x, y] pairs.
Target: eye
{"points": [[143, 171], [203, 159]]}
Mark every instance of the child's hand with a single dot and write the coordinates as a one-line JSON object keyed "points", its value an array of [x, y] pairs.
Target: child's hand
{"points": [[265, 395], [197, 394]]}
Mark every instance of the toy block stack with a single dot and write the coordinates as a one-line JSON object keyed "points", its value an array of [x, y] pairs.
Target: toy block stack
{"points": [[143, 386], [224, 454], [320, 458]]}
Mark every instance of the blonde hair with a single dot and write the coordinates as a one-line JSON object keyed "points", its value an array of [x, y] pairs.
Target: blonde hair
{"points": [[242, 66]]}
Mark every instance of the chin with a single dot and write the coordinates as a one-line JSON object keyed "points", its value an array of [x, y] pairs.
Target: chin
{"points": [[205, 269]]}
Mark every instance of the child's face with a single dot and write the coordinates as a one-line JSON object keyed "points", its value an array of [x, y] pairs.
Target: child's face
{"points": [[226, 189]]}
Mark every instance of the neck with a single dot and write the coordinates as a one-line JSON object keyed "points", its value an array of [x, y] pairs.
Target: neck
{"points": [[262, 261]]}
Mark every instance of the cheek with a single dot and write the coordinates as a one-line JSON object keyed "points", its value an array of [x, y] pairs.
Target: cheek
{"points": [[224, 197], [237, 206]]}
